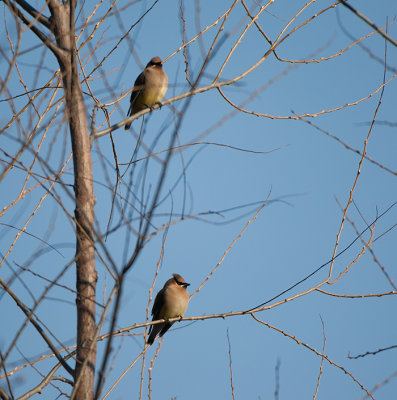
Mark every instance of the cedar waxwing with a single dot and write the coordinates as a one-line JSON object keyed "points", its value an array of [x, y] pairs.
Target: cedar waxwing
{"points": [[149, 87], [171, 302]]}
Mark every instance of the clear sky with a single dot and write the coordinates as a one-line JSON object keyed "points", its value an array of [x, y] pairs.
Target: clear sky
{"points": [[306, 173]]}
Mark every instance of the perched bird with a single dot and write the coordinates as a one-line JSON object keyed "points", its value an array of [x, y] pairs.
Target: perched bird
{"points": [[149, 87], [171, 302]]}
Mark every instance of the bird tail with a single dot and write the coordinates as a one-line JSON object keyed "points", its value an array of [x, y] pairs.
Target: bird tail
{"points": [[151, 338], [165, 328], [127, 126], [153, 331], [157, 329]]}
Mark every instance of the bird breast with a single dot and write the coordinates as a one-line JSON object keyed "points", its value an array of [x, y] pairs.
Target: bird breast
{"points": [[176, 302]]}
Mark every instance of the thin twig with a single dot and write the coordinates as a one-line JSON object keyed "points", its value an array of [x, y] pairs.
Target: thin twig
{"points": [[369, 22], [230, 363], [320, 372], [372, 353], [313, 350]]}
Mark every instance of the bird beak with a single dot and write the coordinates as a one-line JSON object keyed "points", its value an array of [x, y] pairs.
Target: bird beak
{"points": [[186, 284]]}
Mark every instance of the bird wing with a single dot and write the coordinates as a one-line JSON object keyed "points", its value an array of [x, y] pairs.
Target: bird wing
{"points": [[138, 86], [154, 329], [158, 301]]}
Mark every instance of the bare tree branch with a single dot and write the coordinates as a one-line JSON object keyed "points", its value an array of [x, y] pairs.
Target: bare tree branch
{"points": [[32, 320], [369, 22], [34, 13], [57, 51]]}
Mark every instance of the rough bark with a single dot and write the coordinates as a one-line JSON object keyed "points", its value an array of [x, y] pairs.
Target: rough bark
{"points": [[63, 29]]}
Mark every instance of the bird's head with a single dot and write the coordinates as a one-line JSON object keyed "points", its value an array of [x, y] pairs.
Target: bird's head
{"points": [[180, 281], [155, 62]]}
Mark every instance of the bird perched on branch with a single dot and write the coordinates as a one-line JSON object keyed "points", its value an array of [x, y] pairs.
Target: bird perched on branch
{"points": [[149, 88], [171, 302]]}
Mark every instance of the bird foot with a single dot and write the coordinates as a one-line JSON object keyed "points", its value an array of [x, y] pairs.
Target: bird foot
{"points": [[159, 103]]}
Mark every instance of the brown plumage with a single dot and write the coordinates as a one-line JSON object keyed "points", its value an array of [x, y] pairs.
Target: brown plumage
{"points": [[171, 302], [149, 88]]}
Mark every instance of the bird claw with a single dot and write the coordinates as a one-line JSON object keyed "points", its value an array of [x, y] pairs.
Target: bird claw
{"points": [[159, 103]]}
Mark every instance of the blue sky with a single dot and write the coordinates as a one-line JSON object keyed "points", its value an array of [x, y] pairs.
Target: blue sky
{"points": [[295, 233]]}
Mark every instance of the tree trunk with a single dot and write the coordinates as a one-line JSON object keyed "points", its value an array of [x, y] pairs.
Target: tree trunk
{"points": [[63, 28]]}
